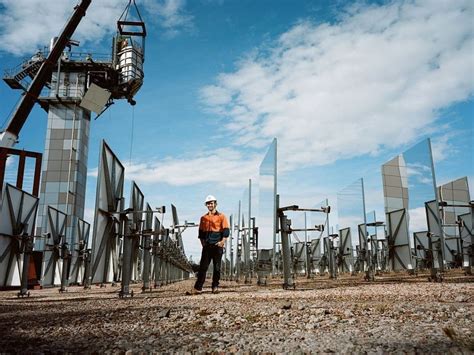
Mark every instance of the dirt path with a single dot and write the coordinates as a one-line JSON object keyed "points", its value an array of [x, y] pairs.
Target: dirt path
{"points": [[395, 313]]}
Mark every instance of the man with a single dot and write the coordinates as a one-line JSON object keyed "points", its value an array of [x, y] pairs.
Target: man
{"points": [[213, 233]]}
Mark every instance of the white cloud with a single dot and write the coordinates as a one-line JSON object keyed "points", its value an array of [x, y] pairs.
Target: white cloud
{"points": [[26, 25], [375, 79], [419, 174], [171, 15], [441, 147], [417, 220], [227, 167]]}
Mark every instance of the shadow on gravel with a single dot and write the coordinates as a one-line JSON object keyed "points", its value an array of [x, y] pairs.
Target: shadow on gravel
{"points": [[91, 342]]}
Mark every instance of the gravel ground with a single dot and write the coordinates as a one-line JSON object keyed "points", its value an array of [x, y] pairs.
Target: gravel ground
{"points": [[396, 313]]}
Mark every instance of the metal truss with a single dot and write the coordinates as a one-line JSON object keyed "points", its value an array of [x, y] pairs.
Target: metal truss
{"points": [[285, 230], [109, 201], [136, 204], [81, 258], [17, 222], [344, 253], [56, 252], [314, 256], [466, 233], [147, 248], [399, 252]]}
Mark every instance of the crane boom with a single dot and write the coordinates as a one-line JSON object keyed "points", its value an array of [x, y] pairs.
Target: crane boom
{"points": [[9, 137]]}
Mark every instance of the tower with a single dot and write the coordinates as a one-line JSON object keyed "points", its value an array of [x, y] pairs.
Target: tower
{"points": [[64, 169]]}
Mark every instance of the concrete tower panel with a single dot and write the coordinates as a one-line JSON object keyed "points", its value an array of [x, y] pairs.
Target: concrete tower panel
{"points": [[64, 169]]}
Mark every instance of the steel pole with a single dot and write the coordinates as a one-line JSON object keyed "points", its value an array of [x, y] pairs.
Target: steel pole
{"points": [[126, 260], [27, 243], [285, 225], [146, 262]]}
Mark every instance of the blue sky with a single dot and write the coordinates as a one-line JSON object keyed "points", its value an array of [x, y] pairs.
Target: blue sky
{"points": [[344, 86]]}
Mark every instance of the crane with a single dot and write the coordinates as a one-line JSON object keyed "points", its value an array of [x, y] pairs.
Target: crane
{"points": [[98, 81], [120, 77], [9, 136]]}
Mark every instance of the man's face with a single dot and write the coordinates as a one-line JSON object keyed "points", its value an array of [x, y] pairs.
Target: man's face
{"points": [[211, 205]]}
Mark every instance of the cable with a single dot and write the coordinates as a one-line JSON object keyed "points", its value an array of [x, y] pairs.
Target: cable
{"points": [[131, 137], [125, 11]]}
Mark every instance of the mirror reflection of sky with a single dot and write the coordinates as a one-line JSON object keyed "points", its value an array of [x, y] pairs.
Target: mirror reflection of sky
{"points": [[421, 184], [368, 191], [350, 208], [421, 180], [245, 208], [266, 198]]}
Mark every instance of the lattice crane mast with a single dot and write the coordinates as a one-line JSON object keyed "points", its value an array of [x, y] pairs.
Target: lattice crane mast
{"points": [[119, 77]]}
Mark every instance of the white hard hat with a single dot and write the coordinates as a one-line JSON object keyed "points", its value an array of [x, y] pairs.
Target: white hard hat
{"points": [[210, 198]]}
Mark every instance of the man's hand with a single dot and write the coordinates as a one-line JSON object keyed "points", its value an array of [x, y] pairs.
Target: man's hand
{"points": [[203, 242], [221, 243]]}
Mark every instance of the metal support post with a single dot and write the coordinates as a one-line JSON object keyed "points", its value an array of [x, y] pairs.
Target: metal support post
{"points": [[370, 272], [306, 248], [275, 233], [246, 248], [469, 230], [127, 260], [435, 272], [239, 248], [285, 230], [156, 263], [87, 268], [27, 249], [66, 257], [470, 267], [146, 262], [332, 259], [308, 260], [164, 271], [161, 274], [231, 249], [166, 275], [224, 262]]}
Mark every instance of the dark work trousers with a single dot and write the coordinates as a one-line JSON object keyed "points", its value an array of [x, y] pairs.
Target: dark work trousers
{"points": [[214, 253]]}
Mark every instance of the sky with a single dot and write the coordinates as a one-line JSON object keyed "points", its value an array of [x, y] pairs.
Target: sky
{"points": [[344, 86]]}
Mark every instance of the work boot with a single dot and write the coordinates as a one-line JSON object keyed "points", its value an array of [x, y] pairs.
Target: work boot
{"points": [[215, 290], [193, 292]]}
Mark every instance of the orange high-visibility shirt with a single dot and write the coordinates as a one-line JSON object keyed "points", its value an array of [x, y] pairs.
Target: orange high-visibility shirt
{"points": [[213, 227]]}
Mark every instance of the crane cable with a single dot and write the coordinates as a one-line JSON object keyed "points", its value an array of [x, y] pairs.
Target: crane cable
{"points": [[131, 136], [125, 12]]}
